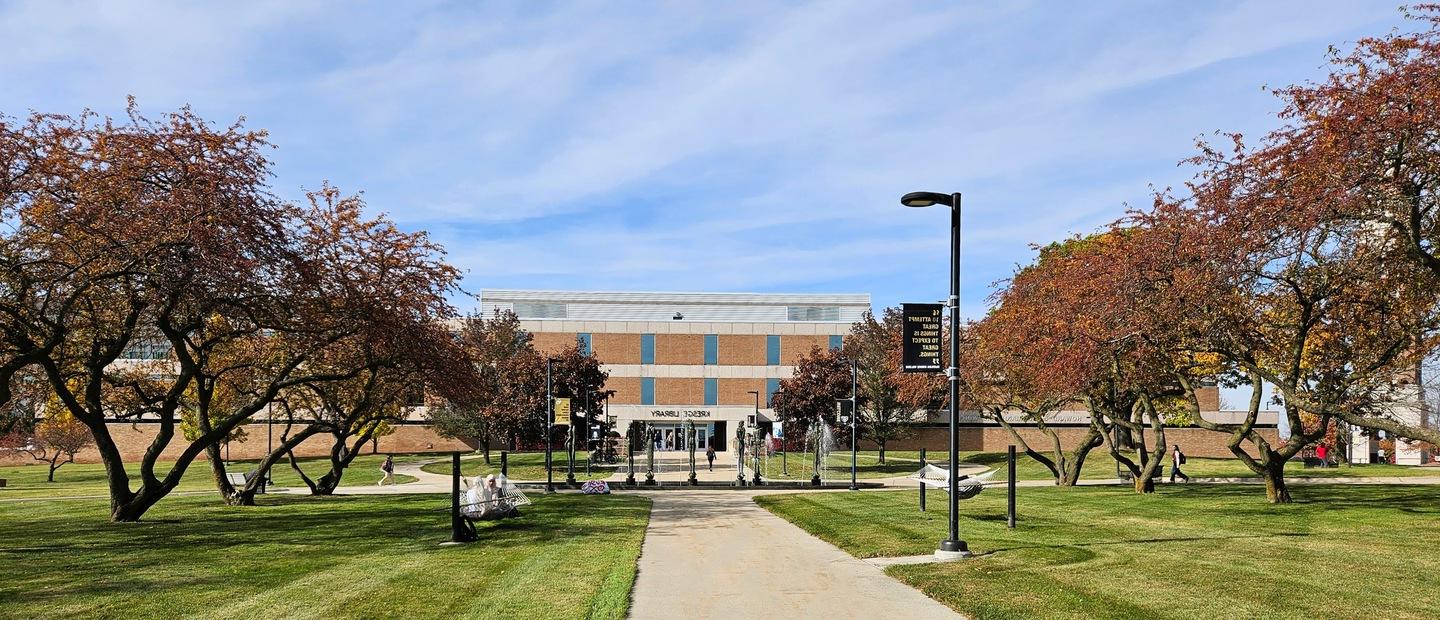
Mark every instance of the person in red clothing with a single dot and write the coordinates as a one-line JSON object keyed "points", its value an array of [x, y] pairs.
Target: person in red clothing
{"points": [[1321, 451]]}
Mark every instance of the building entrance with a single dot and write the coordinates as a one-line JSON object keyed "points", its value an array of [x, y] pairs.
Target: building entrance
{"points": [[668, 437]]}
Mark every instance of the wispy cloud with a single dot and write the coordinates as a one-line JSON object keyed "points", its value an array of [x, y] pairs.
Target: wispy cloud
{"points": [[702, 145]]}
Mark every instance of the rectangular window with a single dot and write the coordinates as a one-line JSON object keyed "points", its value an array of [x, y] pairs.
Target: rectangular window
{"points": [[770, 386], [836, 341], [712, 391], [813, 313], [772, 350], [532, 310], [582, 341], [647, 348], [712, 349], [647, 390]]}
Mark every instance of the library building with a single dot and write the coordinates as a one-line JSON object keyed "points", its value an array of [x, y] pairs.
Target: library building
{"points": [[714, 358]]}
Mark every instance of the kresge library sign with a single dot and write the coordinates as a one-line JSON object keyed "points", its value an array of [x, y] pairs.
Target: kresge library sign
{"points": [[680, 413]]}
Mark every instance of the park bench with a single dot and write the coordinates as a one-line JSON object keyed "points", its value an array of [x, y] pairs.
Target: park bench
{"points": [[241, 479]]}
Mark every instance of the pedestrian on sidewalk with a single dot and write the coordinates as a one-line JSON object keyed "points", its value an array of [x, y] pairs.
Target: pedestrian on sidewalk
{"points": [[1177, 458], [710, 456], [388, 467]]}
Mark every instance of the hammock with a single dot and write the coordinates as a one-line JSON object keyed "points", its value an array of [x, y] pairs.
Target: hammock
{"points": [[935, 476], [502, 505]]}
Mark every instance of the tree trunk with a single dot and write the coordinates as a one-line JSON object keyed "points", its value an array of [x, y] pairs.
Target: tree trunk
{"points": [[1275, 490], [246, 495], [222, 482], [882, 452], [53, 466], [485, 447], [131, 511]]}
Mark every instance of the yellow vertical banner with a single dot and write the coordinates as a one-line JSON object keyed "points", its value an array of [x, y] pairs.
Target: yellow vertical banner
{"points": [[562, 412]]}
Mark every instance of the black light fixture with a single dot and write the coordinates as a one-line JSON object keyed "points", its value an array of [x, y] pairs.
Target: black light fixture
{"points": [[927, 199], [678, 316], [952, 547]]}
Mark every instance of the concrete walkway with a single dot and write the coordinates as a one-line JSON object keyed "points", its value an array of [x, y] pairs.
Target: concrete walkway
{"points": [[716, 554]]}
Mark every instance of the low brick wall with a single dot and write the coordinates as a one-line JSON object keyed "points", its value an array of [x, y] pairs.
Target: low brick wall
{"points": [[134, 439], [1196, 442]]}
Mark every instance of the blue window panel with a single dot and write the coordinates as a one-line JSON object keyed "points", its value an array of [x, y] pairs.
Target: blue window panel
{"points": [[583, 342], [770, 386], [772, 350], [712, 349], [647, 348], [836, 341], [647, 390], [712, 391]]}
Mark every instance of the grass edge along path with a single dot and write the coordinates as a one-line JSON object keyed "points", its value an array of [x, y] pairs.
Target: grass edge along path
{"points": [[567, 556], [27, 481], [1184, 552]]}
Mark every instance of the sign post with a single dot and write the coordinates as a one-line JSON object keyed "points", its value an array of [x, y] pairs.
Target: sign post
{"points": [[920, 337]]}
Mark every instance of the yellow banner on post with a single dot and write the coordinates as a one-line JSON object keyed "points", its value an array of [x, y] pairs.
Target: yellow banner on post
{"points": [[562, 412]]}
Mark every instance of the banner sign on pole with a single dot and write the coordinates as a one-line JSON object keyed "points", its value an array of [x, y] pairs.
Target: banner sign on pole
{"points": [[562, 412], [920, 337]]}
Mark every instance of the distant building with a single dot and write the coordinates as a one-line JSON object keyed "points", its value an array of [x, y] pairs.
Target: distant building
{"points": [[714, 358]]}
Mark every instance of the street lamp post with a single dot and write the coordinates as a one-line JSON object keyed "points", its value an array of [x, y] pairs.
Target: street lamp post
{"points": [[549, 428], [953, 546]]}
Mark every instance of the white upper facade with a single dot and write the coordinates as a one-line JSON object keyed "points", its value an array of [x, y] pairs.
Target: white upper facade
{"points": [[653, 306]]}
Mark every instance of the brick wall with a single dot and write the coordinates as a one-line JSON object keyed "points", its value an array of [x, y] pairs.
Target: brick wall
{"points": [[792, 348], [675, 391], [617, 349], [627, 390], [735, 391], [134, 439], [686, 349], [741, 350], [550, 343], [1193, 441]]}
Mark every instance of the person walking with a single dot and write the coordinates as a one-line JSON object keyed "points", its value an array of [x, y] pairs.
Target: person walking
{"points": [[388, 467], [1177, 458], [710, 456], [1321, 452]]}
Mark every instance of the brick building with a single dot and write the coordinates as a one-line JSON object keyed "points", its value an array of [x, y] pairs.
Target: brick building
{"points": [[714, 358]]}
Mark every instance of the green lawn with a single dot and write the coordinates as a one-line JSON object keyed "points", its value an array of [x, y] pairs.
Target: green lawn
{"points": [[568, 556], [83, 479], [1187, 551], [525, 466], [1099, 465]]}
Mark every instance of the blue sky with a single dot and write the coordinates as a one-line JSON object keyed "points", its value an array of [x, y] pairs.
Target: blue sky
{"points": [[703, 146]]}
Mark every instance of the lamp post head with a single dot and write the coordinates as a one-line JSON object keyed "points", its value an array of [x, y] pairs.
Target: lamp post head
{"points": [[926, 199]]}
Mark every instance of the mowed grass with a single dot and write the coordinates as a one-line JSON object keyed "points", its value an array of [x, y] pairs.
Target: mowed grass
{"points": [[525, 466], [1099, 465], [1192, 551], [567, 556], [86, 479]]}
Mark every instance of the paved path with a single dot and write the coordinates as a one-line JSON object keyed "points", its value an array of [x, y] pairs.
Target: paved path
{"points": [[716, 554]]}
